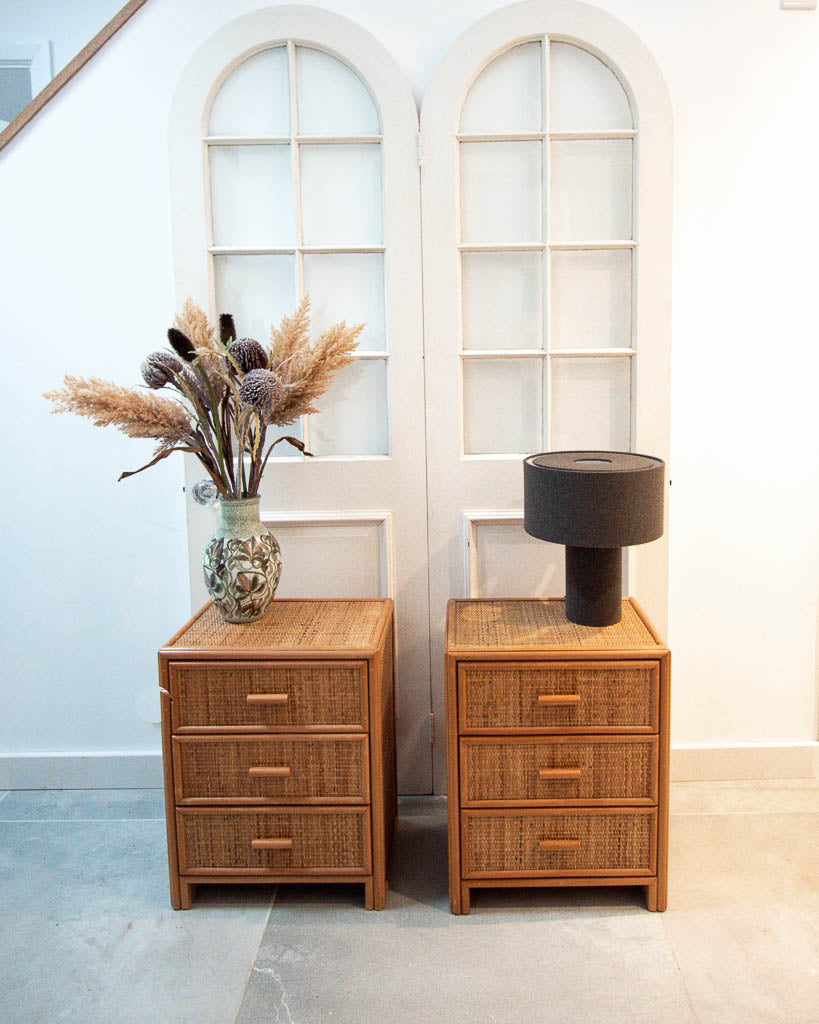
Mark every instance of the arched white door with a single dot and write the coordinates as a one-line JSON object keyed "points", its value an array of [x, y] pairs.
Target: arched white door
{"points": [[294, 169], [546, 224]]}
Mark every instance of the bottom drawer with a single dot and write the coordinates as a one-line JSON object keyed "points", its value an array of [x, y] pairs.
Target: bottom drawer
{"points": [[315, 840], [611, 841]]}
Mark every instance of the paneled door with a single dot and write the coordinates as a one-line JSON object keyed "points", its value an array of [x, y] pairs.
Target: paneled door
{"points": [[545, 279], [303, 133]]}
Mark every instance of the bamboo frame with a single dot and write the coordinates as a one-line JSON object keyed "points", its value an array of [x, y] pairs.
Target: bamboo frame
{"points": [[654, 881], [376, 806]]}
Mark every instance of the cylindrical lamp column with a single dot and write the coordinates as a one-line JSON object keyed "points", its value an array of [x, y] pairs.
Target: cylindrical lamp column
{"points": [[596, 503]]}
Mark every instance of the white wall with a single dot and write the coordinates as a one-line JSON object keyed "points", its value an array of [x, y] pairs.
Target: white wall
{"points": [[67, 26], [96, 572]]}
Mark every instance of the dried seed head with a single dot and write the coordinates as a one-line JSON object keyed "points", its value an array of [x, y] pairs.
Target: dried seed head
{"points": [[227, 330], [159, 368], [181, 344], [262, 390], [249, 355]]}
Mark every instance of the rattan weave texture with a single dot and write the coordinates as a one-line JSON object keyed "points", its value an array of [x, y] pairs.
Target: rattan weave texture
{"points": [[318, 695], [516, 624], [511, 842], [330, 769], [506, 697], [320, 840], [505, 770], [290, 624]]}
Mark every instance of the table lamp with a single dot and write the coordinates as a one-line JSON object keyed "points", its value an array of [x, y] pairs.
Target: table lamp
{"points": [[596, 503]]}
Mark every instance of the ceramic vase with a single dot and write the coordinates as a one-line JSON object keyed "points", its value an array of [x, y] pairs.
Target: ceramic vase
{"points": [[242, 563]]}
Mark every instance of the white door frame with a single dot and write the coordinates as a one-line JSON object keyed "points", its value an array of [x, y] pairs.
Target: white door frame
{"points": [[622, 50]]}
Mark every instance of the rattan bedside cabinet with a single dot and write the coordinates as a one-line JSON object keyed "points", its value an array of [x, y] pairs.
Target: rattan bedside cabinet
{"points": [[557, 749], [278, 745]]}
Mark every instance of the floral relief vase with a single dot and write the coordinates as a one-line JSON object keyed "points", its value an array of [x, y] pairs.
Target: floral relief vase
{"points": [[242, 562]]}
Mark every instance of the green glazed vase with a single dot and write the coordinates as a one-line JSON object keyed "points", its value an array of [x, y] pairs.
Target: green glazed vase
{"points": [[242, 563]]}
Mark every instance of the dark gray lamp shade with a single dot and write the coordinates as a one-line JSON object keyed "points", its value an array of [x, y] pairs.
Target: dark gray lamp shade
{"points": [[596, 503]]}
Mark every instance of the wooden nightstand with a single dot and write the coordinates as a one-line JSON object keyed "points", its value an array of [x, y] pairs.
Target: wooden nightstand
{"points": [[557, 749], [278, 744]]}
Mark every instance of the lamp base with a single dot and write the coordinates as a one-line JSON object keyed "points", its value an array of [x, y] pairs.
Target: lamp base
{"points": [[594, 585]]}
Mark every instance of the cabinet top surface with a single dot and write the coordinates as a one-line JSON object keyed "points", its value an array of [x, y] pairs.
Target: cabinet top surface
{"points": [[495, 625], [309, 626]]}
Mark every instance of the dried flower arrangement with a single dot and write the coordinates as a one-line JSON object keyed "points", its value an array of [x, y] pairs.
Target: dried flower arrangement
{"points": [[229, 392]]}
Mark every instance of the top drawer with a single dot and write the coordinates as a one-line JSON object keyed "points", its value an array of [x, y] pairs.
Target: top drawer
{"points": [[528, 697], [265, 696]]}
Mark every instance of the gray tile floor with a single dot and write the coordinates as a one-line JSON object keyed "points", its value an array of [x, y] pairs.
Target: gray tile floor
{"points": [[87, 936]]}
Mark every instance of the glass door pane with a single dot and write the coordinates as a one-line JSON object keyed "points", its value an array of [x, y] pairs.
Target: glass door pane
{"points": [[254, 99], [584, 94], [591, 404], [252, 196], [506, 95], [332, 99]]}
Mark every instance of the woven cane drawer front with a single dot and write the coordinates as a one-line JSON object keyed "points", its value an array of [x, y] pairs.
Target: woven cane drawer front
{"points": [[284, 769], [301, 841], [559, 770], [558, 696], [269, 696], [567, 842]]}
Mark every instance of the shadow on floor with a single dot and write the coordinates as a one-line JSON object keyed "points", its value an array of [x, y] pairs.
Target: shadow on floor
{"points": [[236, 895]]}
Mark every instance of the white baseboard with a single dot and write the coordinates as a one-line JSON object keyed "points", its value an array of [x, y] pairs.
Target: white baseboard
{"points": [[114, 770], [81, 771], [693, 763]]}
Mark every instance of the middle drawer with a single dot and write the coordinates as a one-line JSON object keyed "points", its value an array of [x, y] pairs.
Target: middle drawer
{"points": [[293, 769], [558, 770]]}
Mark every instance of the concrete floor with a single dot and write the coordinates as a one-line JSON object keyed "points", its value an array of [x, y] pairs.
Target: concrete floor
{"points": [[87, 936]]}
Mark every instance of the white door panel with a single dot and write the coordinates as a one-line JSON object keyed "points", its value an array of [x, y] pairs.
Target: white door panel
{"points": [[502, 559], [538, 220], [320, 195]]}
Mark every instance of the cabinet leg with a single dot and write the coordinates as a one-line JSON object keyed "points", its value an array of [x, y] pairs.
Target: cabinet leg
{"points": [[186, 890], [657, 895], [466, 904], [458, 896], [176, 899], [662, 892], [375, 893]]}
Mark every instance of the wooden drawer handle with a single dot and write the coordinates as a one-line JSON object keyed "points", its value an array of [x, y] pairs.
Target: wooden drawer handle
{"points": [[261, 772], [560, 844], [557, 773], [271, 844], [268, 698], [558, 698]]}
